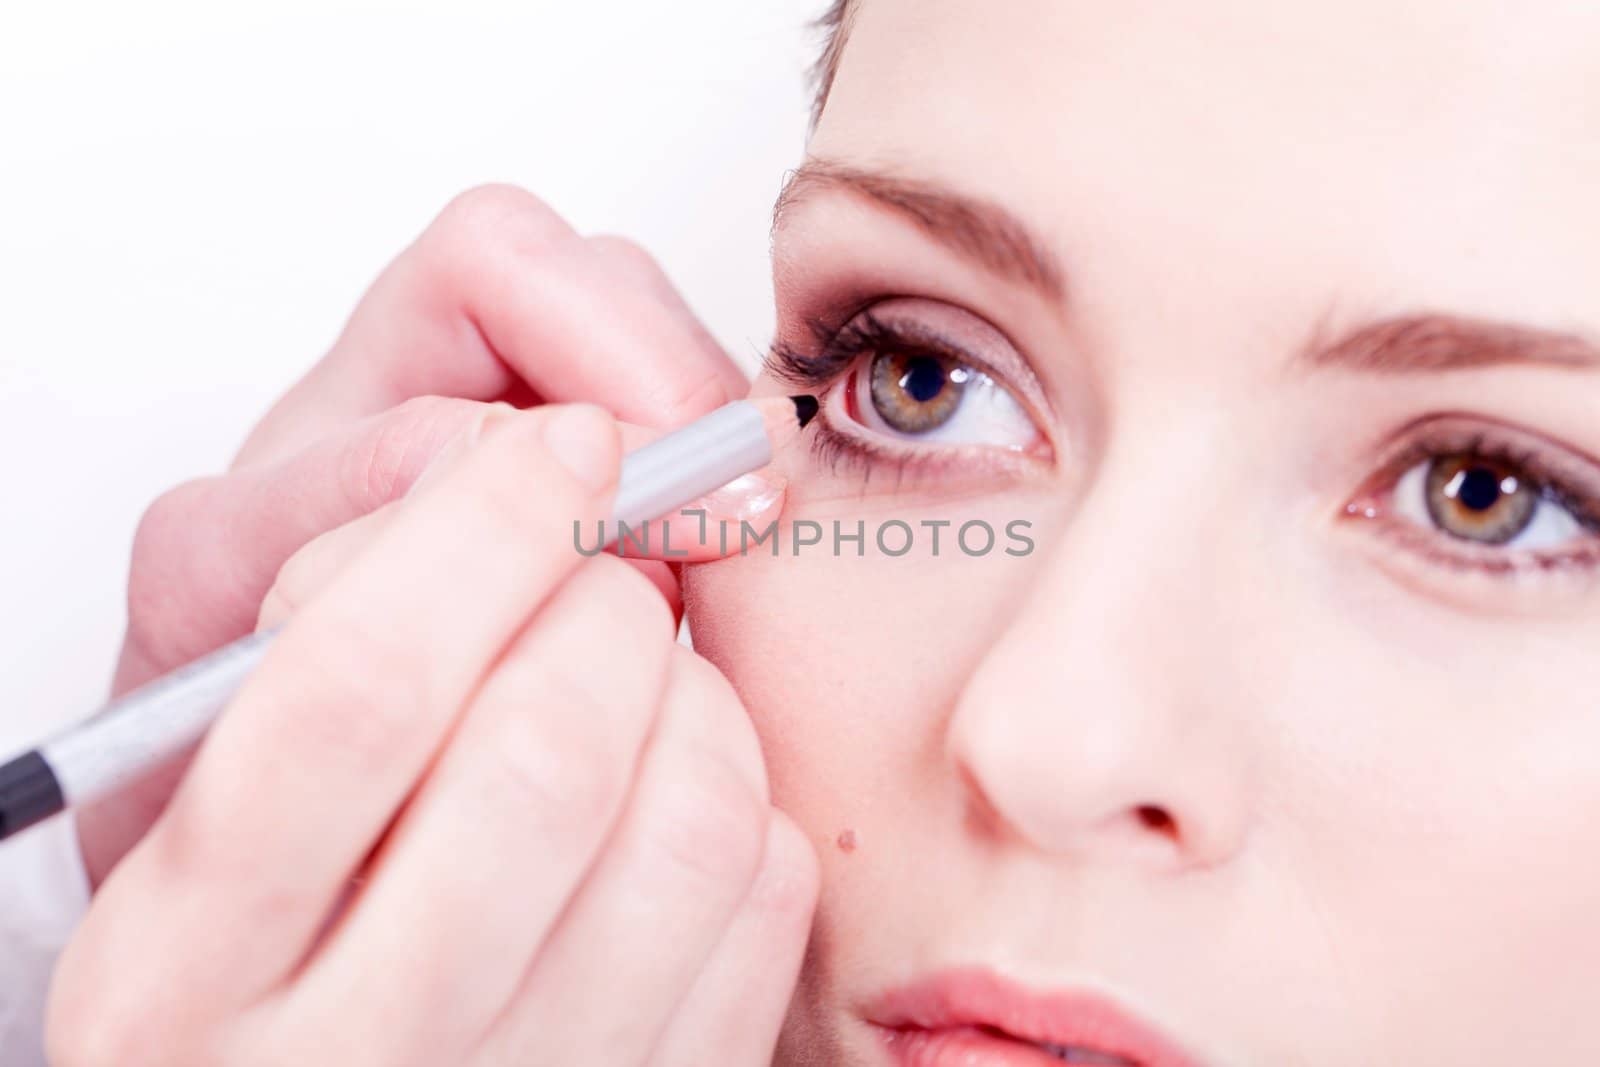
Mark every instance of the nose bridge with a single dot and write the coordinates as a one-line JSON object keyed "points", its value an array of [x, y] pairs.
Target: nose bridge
{"points": [[1106, 715], [1140, 572]]}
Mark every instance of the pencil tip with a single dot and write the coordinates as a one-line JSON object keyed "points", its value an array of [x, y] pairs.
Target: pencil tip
{"points": [[805, 408]]}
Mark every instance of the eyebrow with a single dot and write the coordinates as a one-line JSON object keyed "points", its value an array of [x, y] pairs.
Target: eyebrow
{"points": [[975, 228], [996, 239], [1430, 341]]}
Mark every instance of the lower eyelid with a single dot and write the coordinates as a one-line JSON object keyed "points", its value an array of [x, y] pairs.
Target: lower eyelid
{"points": [[1578, 566], [951, 466], [1412, 558]]}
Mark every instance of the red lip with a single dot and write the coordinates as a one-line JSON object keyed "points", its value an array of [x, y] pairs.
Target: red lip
{"points": [[973, 1016]]}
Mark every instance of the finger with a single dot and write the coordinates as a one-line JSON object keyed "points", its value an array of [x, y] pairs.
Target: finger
{"points": [[206, 553], [304, 771], [733, 518], [739, 518], [670, 881], [313, 568], [736, 1007], [485, 857], [728, 520], [498, 291], [625, 258]]}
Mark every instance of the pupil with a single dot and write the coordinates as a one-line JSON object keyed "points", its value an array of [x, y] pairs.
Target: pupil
{"points": [[923, 379], [1479, 489]]}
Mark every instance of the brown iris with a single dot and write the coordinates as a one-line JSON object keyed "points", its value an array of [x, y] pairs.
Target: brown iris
{"points": [[1478, 499], [916, 392]]}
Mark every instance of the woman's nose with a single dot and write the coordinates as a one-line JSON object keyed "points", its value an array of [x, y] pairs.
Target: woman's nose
{"points": [[1111, 719]]}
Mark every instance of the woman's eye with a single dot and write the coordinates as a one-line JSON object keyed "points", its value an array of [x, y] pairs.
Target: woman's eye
{"points": [[1483, 500], [926, 396]]}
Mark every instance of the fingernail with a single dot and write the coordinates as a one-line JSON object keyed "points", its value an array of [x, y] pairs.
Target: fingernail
{"points": [[746, 497], [584, 439]]}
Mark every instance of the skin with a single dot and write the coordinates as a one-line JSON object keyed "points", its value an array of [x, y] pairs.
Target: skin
{"points": [[1378, 773], [494, 792], [1280, 779]]}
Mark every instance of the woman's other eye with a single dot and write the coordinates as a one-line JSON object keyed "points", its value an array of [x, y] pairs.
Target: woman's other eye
{"points": [[1488, 501], [1494, 497], [926, 396]]}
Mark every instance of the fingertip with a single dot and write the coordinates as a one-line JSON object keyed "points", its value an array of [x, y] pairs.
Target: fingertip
{"points": [[666, 582], [790, 877], [736, 384], [587, 442]]}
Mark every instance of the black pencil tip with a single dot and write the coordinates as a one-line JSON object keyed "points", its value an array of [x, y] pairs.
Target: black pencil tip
{"points": [[805, 408]]}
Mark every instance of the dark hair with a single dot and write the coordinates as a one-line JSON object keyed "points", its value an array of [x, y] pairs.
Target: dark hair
{"points": [[834, 27]]}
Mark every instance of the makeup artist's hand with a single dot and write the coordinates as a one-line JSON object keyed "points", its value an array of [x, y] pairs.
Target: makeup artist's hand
{"points": [[476, 806], [498, 300]]}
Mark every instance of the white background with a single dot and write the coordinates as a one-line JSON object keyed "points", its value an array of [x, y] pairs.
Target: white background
{"points": [[193, 197]]}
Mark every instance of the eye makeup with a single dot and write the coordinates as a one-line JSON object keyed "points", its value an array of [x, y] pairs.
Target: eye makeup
{"points": [[1469, 493], [920, 387]]}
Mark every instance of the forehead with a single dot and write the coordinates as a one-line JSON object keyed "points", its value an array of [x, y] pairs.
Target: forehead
{"points": [[1445, 151]]}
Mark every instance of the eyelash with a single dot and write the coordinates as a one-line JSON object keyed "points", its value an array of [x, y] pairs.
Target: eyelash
{"points": [[1442, 436], [838, 351]]}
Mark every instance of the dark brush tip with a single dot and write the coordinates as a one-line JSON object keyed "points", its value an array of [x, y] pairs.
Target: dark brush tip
{"points": [[805, 408]]}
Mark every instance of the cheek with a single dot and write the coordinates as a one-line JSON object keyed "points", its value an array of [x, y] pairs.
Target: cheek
{"points": [[1437, 810], [848, 666]]}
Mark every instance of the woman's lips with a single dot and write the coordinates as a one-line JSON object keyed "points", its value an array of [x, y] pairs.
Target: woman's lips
{"points": [[973, 1017], [975, 1048]]}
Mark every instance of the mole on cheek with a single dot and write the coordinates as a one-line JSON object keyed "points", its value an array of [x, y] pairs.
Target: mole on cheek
{"points": [[846, 841]]}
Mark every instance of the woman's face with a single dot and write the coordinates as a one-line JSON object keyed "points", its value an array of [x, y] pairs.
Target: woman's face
{"points": [[1264, 324]]}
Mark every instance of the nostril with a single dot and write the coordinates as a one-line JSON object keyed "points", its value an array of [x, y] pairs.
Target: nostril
{"points": [[1157, 819]]}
